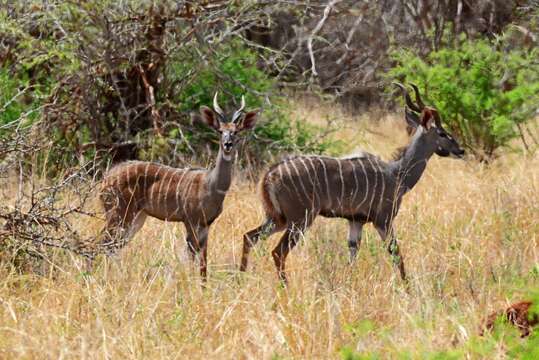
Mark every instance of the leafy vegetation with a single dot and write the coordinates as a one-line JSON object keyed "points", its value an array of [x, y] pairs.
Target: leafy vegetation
{"points": [[483, 90], [476, 346], [19, 101], [234, 73], [119, 80]]}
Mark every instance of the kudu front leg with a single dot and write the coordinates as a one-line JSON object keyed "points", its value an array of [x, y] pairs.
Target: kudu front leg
{"points": [[202, 237], [197, 245], [192, 243], [354, 238], [387, 233]]}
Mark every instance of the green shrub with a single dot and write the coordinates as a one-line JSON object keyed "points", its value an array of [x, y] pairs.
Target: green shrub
{"points": [[233, 73], [482, 90], [96, 52], [18, 100]]}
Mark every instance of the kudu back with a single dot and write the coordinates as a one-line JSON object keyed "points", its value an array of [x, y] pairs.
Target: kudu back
{"points": [[134, 190], [362, 189]]}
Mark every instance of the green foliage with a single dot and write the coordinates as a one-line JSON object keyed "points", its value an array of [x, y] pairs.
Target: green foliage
{"points": [[20, 101], [504, 335], [95, 52], [11, 109], [360, 328], [233, 73], [349, 354], [483, 90]]}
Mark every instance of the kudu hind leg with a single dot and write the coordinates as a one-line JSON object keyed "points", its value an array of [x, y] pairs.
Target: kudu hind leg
{"points": [[288, 241], [354, 238], [387, 233], [118, 232], [250, 239], [123, 221]]}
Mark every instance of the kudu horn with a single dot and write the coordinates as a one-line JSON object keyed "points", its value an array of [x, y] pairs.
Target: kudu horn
{"points": [[409, 101]]}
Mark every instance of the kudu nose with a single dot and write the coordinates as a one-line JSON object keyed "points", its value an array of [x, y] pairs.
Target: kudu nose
{"points": [[227, 146]]}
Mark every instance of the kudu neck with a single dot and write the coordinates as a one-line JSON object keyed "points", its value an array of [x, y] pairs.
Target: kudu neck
{"points": [[220, 176], [412, 164]]}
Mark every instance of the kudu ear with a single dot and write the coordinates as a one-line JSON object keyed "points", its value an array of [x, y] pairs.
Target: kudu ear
{"points": [[249, 120], [428, 118], [207, 117]]}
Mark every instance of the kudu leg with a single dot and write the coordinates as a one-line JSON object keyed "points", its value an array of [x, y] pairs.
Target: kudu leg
{"points": [[288, 241], [124, 218], [192, 243], [354, 238], [251, 238], [119, 231], [393, 248], [202, 238], [197, 244]]}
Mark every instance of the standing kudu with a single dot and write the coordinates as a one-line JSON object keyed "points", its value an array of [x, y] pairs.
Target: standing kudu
{"points": [[361, 189], [134, 190]]}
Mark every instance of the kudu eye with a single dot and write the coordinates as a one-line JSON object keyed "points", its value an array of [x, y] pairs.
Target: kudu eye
{"points": [[442, 134]]}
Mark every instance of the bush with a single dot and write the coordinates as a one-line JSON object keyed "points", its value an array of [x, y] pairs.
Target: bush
{"points": [[483, 91], [233, 73], [126, 75], [18, 101]]}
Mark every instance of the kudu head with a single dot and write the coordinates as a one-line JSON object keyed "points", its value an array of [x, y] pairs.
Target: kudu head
{"points": [[417, 114], [227, 126]]}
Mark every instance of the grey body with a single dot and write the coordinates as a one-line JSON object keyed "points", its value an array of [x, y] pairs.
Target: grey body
{"points": [[361, 189]]}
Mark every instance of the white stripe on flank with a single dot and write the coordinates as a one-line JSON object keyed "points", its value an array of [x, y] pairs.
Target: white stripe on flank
{"points": [[146, 177], [356, 188], [167, 189], [187, 192], [381, 194], [307, 171], [342, 180], [128, 175], [316, 186], [130, 187], [151, 187], [314, 169], [374, 187], [160, 197], [328, 193], [366, 176], [281, 175], [290, 177], [177, 192], [300, 179], [280, 172]]}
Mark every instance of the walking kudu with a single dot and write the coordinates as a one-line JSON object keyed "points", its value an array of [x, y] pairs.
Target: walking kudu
{"points": [[134, 190], [361, 189]]}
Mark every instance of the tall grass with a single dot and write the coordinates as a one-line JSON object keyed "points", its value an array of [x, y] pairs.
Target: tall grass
{"points": [[469, 234]]}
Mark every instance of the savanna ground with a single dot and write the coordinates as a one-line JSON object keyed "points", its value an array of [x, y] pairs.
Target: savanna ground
{"points": [[469, 233]]}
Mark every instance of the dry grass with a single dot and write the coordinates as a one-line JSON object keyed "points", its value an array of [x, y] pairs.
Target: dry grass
{"points": [[469, 234]]}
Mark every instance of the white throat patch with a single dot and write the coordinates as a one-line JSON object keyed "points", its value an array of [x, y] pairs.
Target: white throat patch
{"points": [[227, 157]]}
